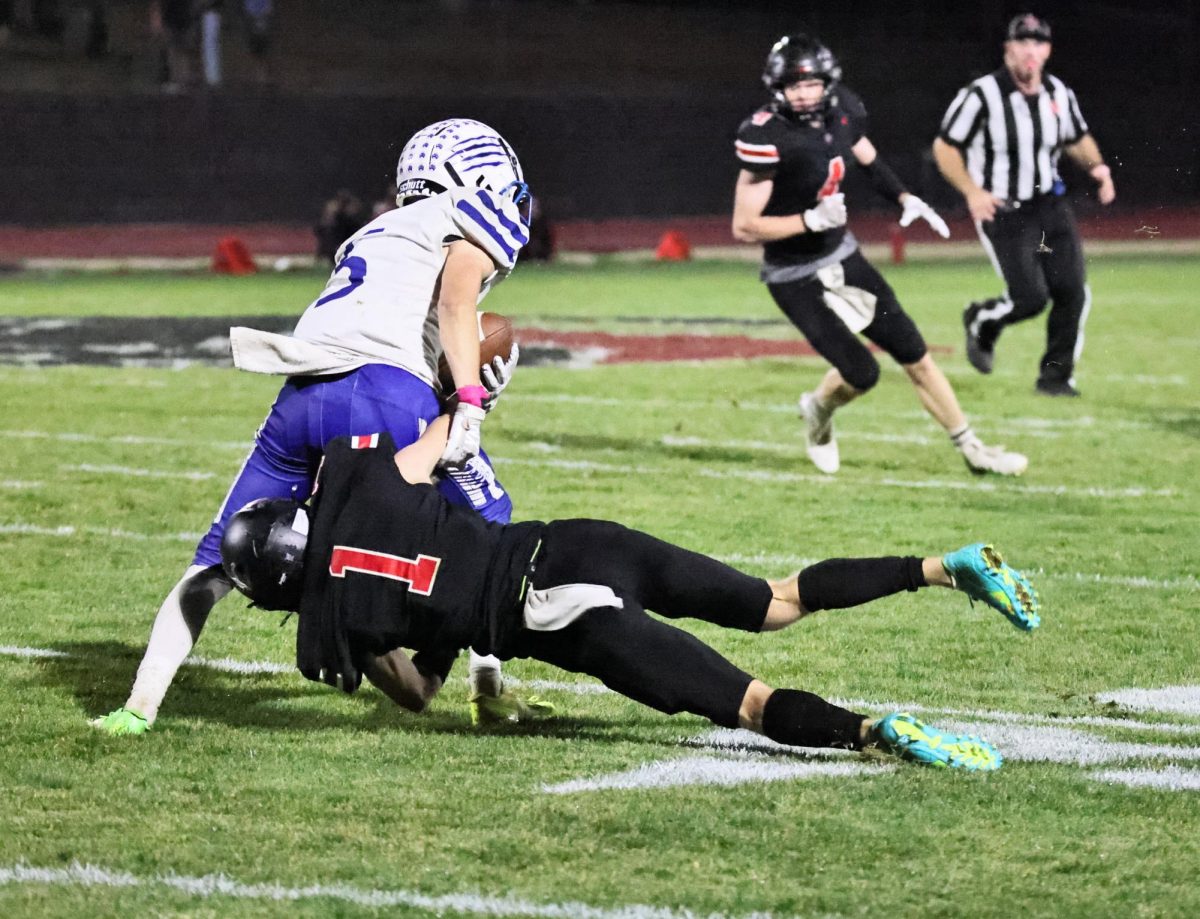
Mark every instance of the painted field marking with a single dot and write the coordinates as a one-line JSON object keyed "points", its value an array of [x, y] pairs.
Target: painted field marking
{"points": [[221, 885], [1178, 700], [746, 475], [763, 559], [32, 529], [754, 758], [712, 770], [1169, 778], [869, 410], [1049, 744], [1138, 582], [223, 664], [759, 475], [135, 440], [131, 472], [1022, 737], [18, 485], [15, 651]]}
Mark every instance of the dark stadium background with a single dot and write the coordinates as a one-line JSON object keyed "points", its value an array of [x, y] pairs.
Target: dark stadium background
{"points": [[618, 110]]}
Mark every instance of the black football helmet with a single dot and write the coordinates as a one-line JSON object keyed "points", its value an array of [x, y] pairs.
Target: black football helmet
{"points": [[800, 57], [262, 551]]}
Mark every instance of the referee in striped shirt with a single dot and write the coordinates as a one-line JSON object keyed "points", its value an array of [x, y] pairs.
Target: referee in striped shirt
{"points": [[999, 146]]}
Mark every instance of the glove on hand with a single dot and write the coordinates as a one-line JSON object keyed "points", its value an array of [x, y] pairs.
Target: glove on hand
{"points": [[829, 213], [914, 207], [497, 375], [463, 442]]}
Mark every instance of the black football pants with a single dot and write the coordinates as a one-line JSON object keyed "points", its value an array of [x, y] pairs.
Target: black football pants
{"points": [[630, 651], [1037, 250], [892, 329]]}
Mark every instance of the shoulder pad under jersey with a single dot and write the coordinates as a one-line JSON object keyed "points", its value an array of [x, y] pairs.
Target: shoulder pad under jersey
{"points": [[757, 139], [491, 222]]}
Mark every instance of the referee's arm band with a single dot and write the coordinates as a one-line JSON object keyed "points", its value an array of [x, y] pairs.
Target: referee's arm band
{"points": [[886, 182]]}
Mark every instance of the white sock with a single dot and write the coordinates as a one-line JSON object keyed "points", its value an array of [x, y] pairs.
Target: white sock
{"points": [[483, 675], [963, 436], [171, 637]]}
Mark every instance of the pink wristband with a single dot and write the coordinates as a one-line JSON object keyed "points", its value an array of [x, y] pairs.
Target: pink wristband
{"points": [[472, 395]]}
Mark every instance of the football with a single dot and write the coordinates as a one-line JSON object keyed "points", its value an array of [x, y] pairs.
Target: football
{"points": [[495, 340]]}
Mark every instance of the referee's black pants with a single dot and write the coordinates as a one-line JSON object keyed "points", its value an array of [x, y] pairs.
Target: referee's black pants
{"points": [[1037, 249]]}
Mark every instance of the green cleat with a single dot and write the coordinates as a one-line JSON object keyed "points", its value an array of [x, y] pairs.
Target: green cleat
{"points": [[980, 572], [508, 708], [122, 721], [906, 737]]}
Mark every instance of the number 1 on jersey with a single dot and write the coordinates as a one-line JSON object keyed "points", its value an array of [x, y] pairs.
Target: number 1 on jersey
{"points": [[837, 172], [419, 573]]}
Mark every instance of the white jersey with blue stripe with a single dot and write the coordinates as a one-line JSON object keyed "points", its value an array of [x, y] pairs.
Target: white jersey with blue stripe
{"points": [[379, 303]]}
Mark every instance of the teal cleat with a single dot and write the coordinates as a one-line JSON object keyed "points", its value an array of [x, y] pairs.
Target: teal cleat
{"points": [[122, 721], [508, 708], [980, 572], [906, 737]]}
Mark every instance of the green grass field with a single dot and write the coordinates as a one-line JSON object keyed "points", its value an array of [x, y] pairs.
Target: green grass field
{"points": [[260, 794]]}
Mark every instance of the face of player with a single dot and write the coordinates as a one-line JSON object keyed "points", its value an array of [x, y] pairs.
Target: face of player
{"points": [[804, 95], [1025, 59]]}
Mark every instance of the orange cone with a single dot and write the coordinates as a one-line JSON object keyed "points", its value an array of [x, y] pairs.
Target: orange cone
{"points": [[232, 257], [673, 247]]}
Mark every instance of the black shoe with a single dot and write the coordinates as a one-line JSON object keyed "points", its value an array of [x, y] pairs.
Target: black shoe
{"points": [[979, 357], [1056, 388]]}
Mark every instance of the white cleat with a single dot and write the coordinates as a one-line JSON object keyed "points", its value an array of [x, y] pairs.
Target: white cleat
{"points": [[818, 435], [982, 459]]}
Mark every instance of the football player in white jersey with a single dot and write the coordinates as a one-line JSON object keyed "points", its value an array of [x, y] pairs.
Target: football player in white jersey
{"points": [[363, 359]]}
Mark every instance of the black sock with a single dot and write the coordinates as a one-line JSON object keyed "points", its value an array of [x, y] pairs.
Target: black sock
{"points": [[838, 583], [801, 719]]}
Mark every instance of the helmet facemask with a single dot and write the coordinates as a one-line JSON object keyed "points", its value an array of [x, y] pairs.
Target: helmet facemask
{"points": [[795, 58]]}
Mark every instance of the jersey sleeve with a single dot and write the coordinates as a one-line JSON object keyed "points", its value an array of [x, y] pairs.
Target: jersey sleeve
{"points": [[755, 144], [493, 223], [962, 118], [851, 109], [1078, 127]]}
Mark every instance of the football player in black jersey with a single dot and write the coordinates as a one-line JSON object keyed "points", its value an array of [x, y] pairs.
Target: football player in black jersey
{"points": [[794, 152], [382, 562]]}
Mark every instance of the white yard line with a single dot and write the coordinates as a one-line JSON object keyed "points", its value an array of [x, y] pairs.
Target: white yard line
{"points": [[132, 472], [1180, 700], [130, 439], [33, 529], [742, 475], [221, 885], [791, 563], [15, 651], [223, 664], [712, 770], [1170, 778], [762, 559], [787, 406], [762, 475]]}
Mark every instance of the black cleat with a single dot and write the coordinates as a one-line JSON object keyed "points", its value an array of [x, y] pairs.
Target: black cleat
{"points": [[979, 356], [1056, 388]]}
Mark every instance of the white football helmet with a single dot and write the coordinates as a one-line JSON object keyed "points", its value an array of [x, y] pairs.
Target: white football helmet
{"points": [[458, 152]]}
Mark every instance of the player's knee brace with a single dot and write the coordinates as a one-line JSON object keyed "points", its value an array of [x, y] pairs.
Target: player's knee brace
{"points": [[802, 719], [839, 583]]}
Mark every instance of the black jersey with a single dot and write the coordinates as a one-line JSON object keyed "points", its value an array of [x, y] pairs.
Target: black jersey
{"points": [[808, 157], [390, 564]]}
